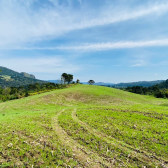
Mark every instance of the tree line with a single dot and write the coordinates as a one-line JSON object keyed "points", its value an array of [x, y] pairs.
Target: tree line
{"points": [[11, 93], [158, 90]]}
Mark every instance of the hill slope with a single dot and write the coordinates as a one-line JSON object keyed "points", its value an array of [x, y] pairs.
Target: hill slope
{"points": [[84, 126], [10, 78]]}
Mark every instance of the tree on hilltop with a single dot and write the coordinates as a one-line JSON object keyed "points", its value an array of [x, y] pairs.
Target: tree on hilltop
{"points": [[70, 78], [66, 78], [91, 82], [77, 81]]}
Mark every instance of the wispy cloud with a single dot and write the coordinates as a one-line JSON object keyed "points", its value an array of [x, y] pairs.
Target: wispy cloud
{"points": [[41, 65], [104, 46], [139, 63], [21, 23]]}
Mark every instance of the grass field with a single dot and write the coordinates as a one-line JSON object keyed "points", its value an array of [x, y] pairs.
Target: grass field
{"points": [[84, 126]]}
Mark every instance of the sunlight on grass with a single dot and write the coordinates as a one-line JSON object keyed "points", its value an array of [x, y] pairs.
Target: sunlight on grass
{"points": [[121, 128]]}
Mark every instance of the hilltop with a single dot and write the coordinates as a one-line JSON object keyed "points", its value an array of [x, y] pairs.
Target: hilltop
{"points": [[84, 126], [10, 78]]}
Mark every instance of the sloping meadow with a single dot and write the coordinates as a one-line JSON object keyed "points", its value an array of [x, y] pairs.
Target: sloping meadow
{"points": [[84, 126]]}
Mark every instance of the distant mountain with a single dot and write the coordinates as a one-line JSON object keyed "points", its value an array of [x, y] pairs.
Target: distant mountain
{"points": [[100, 83], [24, 74], [55, 81], [140, 83], [121, 85], [10, 78], [124, 85], [103, 84]]}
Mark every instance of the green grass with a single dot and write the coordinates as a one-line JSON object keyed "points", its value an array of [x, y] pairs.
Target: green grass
{"points": [[84, 126]]}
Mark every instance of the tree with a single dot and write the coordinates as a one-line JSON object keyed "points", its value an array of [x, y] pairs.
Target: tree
{"points": [[37, 86], [14, 90], [66, 78], [91, 82], [6, 91], [1, 90], [69, 78], [77, 81]]}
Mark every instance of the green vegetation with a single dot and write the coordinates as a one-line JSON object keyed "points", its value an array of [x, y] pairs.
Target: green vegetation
{"points": [[10, 78], [141, 83], [6, 78], [84, 126], [158, 90], [24, 91], [66, 78]]}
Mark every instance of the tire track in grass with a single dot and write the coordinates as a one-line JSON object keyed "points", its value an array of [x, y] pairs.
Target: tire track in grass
{"points": [[85, 157], [142, 156]]}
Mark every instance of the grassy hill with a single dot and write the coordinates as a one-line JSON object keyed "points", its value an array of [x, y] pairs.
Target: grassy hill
{"points": [[84, 126], [10, 78]]}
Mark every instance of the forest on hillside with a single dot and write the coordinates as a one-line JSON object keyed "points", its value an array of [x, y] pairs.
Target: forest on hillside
{"points": [[11, 93], [140, 83], [159, 90], [10, 78]]}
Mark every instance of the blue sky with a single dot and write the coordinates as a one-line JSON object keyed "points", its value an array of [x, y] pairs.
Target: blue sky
{"points": [[104, 40]]}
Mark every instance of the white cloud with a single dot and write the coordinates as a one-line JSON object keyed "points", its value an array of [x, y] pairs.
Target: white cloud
{"points": [[139, 63], [21, 23], [40, 65], [104, 46]]}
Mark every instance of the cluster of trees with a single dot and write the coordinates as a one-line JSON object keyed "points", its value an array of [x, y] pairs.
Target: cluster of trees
{"points": [[10, 93], [141, 90], [159, 90], [68, 78], [163, 85]]}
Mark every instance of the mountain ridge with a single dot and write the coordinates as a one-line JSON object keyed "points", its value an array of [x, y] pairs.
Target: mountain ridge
{"points": [[121, 85], [129, 84], [11, 78], [139, 83]]}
